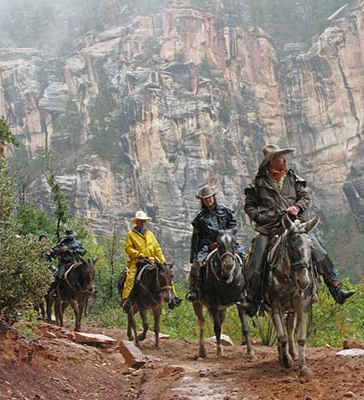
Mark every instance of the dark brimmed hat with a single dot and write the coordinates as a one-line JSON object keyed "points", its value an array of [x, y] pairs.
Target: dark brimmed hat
{"points": [[272, 150], [205, 192], [70, 232]]}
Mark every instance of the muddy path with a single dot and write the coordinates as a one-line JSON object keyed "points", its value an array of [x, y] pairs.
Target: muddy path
{"points": [[57, 368]]}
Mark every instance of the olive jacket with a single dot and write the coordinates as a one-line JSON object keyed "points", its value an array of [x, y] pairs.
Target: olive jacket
{"points": [[265, 203]]}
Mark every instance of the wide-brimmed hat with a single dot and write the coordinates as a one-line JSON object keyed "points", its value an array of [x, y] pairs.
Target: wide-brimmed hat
{"points": [[140, 215], [70, 232], [272, 150], [205, 192]]}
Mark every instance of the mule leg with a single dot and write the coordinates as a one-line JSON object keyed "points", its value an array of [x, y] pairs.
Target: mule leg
{"points": [[216, 315], [302, 321], [278, 322], [129, 332], [58, 311], [197, 307], [81, 308], [132, 324], [143, 314], [245, 331], [290, 325], [157, 315], [49, 304], [42, 310], [76, 309]]}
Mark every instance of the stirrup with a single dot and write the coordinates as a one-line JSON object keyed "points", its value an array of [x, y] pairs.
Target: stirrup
{"points": [[251, 309], [175, 302]]}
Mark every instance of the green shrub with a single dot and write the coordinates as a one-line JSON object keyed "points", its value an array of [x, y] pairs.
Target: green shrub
{"points": [[205, 68], [332, 323], [25, 277]]}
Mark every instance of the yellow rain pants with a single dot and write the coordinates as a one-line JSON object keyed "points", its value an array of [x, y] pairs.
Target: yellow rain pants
{"points": [[136, 247]]}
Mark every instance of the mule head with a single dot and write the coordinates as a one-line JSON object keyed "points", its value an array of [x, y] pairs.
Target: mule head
{"points": [[87, 281], [299, 248], [165, 280], [226, 249]]}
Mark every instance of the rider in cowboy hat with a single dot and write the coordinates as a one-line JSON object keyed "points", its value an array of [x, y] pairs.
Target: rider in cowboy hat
{"points": [[140, 244], [277, 190], [66, 250], [211, 215]]}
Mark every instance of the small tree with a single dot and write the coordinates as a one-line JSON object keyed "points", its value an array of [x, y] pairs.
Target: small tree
{"points": [[24, 275], [60, 200]]}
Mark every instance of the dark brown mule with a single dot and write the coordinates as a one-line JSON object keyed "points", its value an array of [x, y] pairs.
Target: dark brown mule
{"points": [[74, 289], [221, 285], [152, 288]]}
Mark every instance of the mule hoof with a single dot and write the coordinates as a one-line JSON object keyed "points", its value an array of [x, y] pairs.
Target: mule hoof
{"points": [[287, 361], [157, 347], [252, 356], [305, 371], [142, 337]]}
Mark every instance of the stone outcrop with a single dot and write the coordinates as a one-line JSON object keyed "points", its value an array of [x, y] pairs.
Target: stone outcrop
{"points": [[144, 113]]}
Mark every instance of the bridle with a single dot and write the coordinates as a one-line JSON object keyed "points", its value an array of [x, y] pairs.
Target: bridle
{"points": [[221, 257]]}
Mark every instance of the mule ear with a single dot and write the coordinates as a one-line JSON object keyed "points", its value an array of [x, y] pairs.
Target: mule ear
{"points": [[311, 224], [234, 231], [287, 222], [94, 260], [171, 265]]}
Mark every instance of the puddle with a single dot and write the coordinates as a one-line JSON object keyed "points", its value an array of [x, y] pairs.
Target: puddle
{"points": [[199, 389]]}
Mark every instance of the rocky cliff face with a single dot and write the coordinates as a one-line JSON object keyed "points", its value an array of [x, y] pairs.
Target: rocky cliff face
{"points": [[141, 115]]}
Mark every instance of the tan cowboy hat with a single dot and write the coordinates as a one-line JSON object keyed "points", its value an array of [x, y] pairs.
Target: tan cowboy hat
{"points": [[205, 192], [272, 150], [140, 215]]}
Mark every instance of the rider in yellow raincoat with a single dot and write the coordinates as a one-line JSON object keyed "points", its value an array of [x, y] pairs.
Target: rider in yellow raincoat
{"points": [[140, 243]]}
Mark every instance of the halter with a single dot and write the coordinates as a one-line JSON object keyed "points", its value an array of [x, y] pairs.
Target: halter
{"points": [[221, 257], [301, 263], [278, 256]]}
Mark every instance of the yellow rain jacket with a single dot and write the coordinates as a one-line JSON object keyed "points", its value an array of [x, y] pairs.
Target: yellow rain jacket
{"points": [[137, 246]]}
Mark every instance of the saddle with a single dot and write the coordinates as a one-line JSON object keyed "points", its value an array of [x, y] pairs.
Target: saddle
{"points": [[142, 267]]}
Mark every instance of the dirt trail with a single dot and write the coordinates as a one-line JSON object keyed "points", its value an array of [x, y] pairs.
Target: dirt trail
{"points": [[57, 368]]}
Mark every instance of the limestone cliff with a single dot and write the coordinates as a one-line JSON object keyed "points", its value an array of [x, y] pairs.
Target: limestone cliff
{"points": [[142, 114]]}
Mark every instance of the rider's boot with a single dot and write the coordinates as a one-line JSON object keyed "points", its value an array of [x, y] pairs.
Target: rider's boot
{"points": [[326, 268], [53, 289], [126, 304], [174, 302], [254, 281], [339, 294], [193, 278]]}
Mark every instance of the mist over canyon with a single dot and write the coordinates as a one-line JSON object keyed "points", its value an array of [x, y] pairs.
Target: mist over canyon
{"points": [[154, 99]]}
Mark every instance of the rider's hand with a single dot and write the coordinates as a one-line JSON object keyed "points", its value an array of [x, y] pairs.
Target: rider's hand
{"points": [[64, 248], [293, 210]]}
